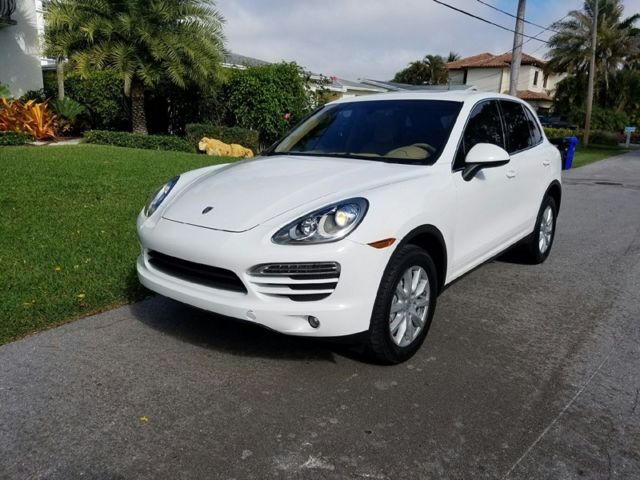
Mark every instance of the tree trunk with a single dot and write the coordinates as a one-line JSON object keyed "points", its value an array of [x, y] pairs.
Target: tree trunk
{"points": [[138, 117], [60, 78]]}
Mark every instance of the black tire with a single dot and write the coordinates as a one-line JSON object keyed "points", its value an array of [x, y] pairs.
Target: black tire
{"points": [[380, 344], [531, 252]]}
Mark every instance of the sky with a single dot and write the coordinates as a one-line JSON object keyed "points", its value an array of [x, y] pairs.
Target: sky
{"points": [[373, 39]]}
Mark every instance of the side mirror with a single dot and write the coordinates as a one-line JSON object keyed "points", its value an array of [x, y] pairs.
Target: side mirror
{"points": [[483, 155]]}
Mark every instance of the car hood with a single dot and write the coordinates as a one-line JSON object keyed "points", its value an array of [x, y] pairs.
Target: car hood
{"points": [[245, 194]]}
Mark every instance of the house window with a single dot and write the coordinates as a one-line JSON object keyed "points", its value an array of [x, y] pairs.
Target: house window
{"points": [[464, 80], [535, 78], [544, 82]]}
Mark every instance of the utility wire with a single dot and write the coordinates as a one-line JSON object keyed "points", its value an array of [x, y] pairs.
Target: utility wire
{"points": [[514, 16], [486, 21], [524, 42], [546, 29]]}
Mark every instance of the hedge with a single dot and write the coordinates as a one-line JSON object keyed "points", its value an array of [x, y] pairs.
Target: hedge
{"points": [[597, 137], [14, 138], [243, 136], [136, 140], [561, 132]]}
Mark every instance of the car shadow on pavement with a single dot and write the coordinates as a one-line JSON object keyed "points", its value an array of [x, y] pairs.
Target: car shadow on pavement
{"points": [[232, 336]]}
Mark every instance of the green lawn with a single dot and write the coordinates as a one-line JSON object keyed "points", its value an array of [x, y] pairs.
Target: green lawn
{"points": [[67, 229], [593, 153]]}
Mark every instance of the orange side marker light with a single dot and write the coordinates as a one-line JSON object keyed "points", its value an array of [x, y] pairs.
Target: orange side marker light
{"points": [[387, 242]]}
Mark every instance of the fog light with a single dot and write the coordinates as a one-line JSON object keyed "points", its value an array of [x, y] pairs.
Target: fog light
{"points": [[313, 321]]}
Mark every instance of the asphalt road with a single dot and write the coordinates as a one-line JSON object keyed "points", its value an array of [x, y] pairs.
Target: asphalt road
{"points": [[528, 372]]}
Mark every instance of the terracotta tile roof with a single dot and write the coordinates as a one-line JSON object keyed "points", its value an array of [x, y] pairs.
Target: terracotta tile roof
{"points": [[488, 60], [531, 95]]}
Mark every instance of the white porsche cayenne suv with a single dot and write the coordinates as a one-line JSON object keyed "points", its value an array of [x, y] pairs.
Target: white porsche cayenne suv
{"points": [[356, 220]]}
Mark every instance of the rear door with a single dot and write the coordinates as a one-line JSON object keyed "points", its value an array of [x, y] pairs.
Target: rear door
{"points": [[486, 217], [524, 144]]}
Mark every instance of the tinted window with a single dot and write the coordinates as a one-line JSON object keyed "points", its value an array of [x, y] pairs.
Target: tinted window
{"points": [[516, 126], [484, 126], [411, 131], [534, 129]]}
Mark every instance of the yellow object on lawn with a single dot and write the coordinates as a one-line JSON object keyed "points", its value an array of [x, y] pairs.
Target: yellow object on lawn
{"points": [[220, 149]]}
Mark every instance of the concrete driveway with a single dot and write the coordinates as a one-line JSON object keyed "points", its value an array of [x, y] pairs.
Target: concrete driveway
{"points": [[528, 372]]}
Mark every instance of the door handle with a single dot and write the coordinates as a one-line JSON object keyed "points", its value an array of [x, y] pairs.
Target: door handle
{"points": [[546, 163], [511, 174]]}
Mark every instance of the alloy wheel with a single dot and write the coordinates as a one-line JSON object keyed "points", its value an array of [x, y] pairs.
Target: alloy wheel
{"points": [[409, 306], [546, 230]]}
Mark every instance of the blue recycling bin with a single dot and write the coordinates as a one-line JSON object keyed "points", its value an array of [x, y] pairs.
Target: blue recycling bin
{"points": [[571, 145]]}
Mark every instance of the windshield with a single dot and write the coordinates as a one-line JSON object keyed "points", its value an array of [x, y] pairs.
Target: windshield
{"points": [[407, 131]]}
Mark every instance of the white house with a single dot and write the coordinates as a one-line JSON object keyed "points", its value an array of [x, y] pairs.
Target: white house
{"points": [[492, 73], [19, 46]]}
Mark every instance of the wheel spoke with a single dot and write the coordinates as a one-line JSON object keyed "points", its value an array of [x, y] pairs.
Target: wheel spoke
{"points": [[399, 335], [415, 280], [422, 302], [406, 283], [417, 320], [396, 307], [420, 288], [396, 322], [408, 334]]}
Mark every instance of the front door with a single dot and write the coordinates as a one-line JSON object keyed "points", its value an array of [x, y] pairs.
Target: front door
{"points": [[486, 213]]}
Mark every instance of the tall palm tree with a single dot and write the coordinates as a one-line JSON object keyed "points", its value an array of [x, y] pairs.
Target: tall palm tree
{"points": [[453, 56], [431, 70], [61, 34], [438, 73], [146, 41], [618, 39]]}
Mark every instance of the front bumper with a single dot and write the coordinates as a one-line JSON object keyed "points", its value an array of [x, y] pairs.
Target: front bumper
{"points": [[345, 312]]}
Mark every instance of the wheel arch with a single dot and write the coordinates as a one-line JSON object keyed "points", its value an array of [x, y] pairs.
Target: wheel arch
{"points": [[430, 239], [554, 191]]}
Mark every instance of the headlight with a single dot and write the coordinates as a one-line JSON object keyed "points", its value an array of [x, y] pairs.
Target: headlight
{"points": [[326, 225], [158, 197]]}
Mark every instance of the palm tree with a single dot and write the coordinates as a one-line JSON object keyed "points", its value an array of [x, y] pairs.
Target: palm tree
{"points": [[145, 42], [62, 32], [438, 73], [618, 39], [452, 57], [431, 70]]}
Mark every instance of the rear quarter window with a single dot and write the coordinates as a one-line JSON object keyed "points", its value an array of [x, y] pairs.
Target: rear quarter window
{"points": [[517, 126], [534, 128]]}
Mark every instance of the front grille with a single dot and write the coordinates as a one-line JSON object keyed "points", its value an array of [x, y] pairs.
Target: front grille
{"points": [[300, 282], [196, 272]]}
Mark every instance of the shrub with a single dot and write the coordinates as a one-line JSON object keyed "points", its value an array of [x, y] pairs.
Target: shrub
{"points": [[30, 117], [599, 137], [14, 138], [259, 97], [67, 108], [561, 132], [136, 140], [68, 111], [35, 95], [103, 96], [243, 136], [602, 119], [170, 108]]}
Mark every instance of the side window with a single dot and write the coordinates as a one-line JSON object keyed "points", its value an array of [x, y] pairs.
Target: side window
{"points": [[484, 126], [534, 129], [517, 126]]}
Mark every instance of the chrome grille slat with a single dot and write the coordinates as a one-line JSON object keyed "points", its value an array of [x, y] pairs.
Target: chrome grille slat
{"points": [[299, 282]]}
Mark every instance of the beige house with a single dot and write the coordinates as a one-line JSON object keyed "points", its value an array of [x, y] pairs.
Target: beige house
{"points": [[19, 47], [492, 73]]}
